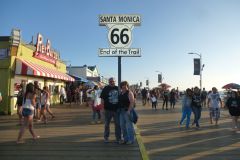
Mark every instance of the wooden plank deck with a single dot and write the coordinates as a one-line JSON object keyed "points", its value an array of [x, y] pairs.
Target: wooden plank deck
{"points": [[69, 136], [165, 140]]}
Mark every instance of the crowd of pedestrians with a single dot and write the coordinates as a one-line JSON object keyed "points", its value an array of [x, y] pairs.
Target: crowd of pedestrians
{"points": [[194, 100], [118, 104]]}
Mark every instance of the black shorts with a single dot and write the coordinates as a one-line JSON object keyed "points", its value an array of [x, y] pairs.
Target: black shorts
{"points": [[234, 111]]}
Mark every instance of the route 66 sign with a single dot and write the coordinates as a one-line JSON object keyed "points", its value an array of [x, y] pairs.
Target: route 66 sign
{"points": [[119, 34]]}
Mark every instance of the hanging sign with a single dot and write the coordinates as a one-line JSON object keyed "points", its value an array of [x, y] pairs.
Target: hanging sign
{"points": [[119, 35]]}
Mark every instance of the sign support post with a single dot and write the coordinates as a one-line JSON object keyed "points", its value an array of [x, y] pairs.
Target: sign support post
{"points": [[119, 71]]}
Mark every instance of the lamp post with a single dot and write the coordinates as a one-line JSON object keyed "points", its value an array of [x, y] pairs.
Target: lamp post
{"points": [[201, 69]]}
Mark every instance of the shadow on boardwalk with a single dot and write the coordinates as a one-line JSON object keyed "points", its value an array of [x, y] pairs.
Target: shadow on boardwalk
{"points": [[69, 136], [164, 139]]}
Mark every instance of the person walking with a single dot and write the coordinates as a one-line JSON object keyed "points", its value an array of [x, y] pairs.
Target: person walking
{"points": [[204, 97], [19, 104], [144, 96], [196, 106], [63, 95], [165, 99], [96, 107], [173, 98], [109, 99], [44, 104], [126, 103], [214, 103], [37, 109], [186, 107], [48, 104], [233, 105], [153, 98], [0, 97], [27, 112]]}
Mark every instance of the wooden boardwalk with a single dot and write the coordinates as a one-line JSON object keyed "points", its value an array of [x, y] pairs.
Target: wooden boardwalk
{"points": [[165, 140], [69, 136]]}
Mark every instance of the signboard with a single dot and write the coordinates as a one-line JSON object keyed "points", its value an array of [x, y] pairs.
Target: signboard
{"points": [[3, 53], [119, 35], [44, 52], [196, 62], [125, 52], [132, 19], [159, 78]]}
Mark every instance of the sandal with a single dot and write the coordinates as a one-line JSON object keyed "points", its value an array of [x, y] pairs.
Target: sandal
{"points": [[36, 137]]}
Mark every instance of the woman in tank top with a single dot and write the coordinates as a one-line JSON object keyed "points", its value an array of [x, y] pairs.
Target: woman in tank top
{"points": [[27, 112], [126, 103]]}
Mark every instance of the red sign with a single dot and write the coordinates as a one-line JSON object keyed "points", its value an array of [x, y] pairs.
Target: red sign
{"points": [[44, 52], [44, 57]]}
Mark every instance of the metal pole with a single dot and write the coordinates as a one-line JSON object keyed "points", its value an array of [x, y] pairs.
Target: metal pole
{"points": [[119, 71], [200, 72]]}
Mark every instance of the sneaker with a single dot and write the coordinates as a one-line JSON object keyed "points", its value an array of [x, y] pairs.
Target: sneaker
{"points": [[129, 142], [106, 140], [93, 122], [121, 142]]}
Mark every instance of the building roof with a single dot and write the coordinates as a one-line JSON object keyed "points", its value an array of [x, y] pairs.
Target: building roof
{"points": [[92, 68]]}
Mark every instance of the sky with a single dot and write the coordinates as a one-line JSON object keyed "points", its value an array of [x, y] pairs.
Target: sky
{"points": [[170, 29]]}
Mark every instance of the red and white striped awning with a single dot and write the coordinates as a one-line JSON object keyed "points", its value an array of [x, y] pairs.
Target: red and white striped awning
{"points": [[24, 67]]}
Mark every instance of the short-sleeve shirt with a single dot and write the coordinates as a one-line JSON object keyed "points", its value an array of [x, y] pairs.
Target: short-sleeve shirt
{"points": [[110, 96], [214, 100]]}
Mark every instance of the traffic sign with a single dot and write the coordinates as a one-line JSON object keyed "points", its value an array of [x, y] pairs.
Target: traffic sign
{"points": [[120, 36]]}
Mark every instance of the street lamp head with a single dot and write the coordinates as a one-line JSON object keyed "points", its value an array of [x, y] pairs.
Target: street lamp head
{"points": [[190, 53]]}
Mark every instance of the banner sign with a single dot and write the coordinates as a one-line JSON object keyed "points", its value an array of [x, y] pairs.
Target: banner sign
{"points": [[159, 78], [196, 62]]}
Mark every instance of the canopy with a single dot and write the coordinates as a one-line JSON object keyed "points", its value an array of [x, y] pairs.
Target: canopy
{"points": [[79, 78], [24, 67], [231, 86]]}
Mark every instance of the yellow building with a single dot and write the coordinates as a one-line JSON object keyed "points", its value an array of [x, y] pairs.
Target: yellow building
{"points": [[22, 63]]}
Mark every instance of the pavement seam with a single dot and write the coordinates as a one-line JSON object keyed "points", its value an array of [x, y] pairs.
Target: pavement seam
{"points": [[141, 145]]}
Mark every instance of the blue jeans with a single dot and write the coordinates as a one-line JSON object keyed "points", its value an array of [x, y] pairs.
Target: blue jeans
{"points": [[186, 112], [96, 112], [197, 114], [126, 126], [108, 117]]}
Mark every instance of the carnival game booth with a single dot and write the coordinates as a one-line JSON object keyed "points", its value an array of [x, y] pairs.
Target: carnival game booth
{"points": [[29, 62]]}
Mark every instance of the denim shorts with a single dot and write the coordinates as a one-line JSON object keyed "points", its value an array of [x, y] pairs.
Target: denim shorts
{"points": [[27, 112]]}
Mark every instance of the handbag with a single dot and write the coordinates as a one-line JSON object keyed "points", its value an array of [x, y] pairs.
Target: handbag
{"points": [[134, 116]]}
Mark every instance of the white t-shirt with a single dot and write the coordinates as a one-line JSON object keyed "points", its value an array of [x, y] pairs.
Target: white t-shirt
{"points": [[214, 100], [153, 99], [97, 99]]}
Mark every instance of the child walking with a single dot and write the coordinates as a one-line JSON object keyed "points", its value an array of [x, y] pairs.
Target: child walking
{"points": [[186, 107], [154, 101]]}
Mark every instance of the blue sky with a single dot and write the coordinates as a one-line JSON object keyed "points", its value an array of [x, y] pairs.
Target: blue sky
{"points": [[169, 30]]}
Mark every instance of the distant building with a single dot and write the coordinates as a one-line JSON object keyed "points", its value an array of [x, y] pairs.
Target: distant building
{"points": [[89, 72]]}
